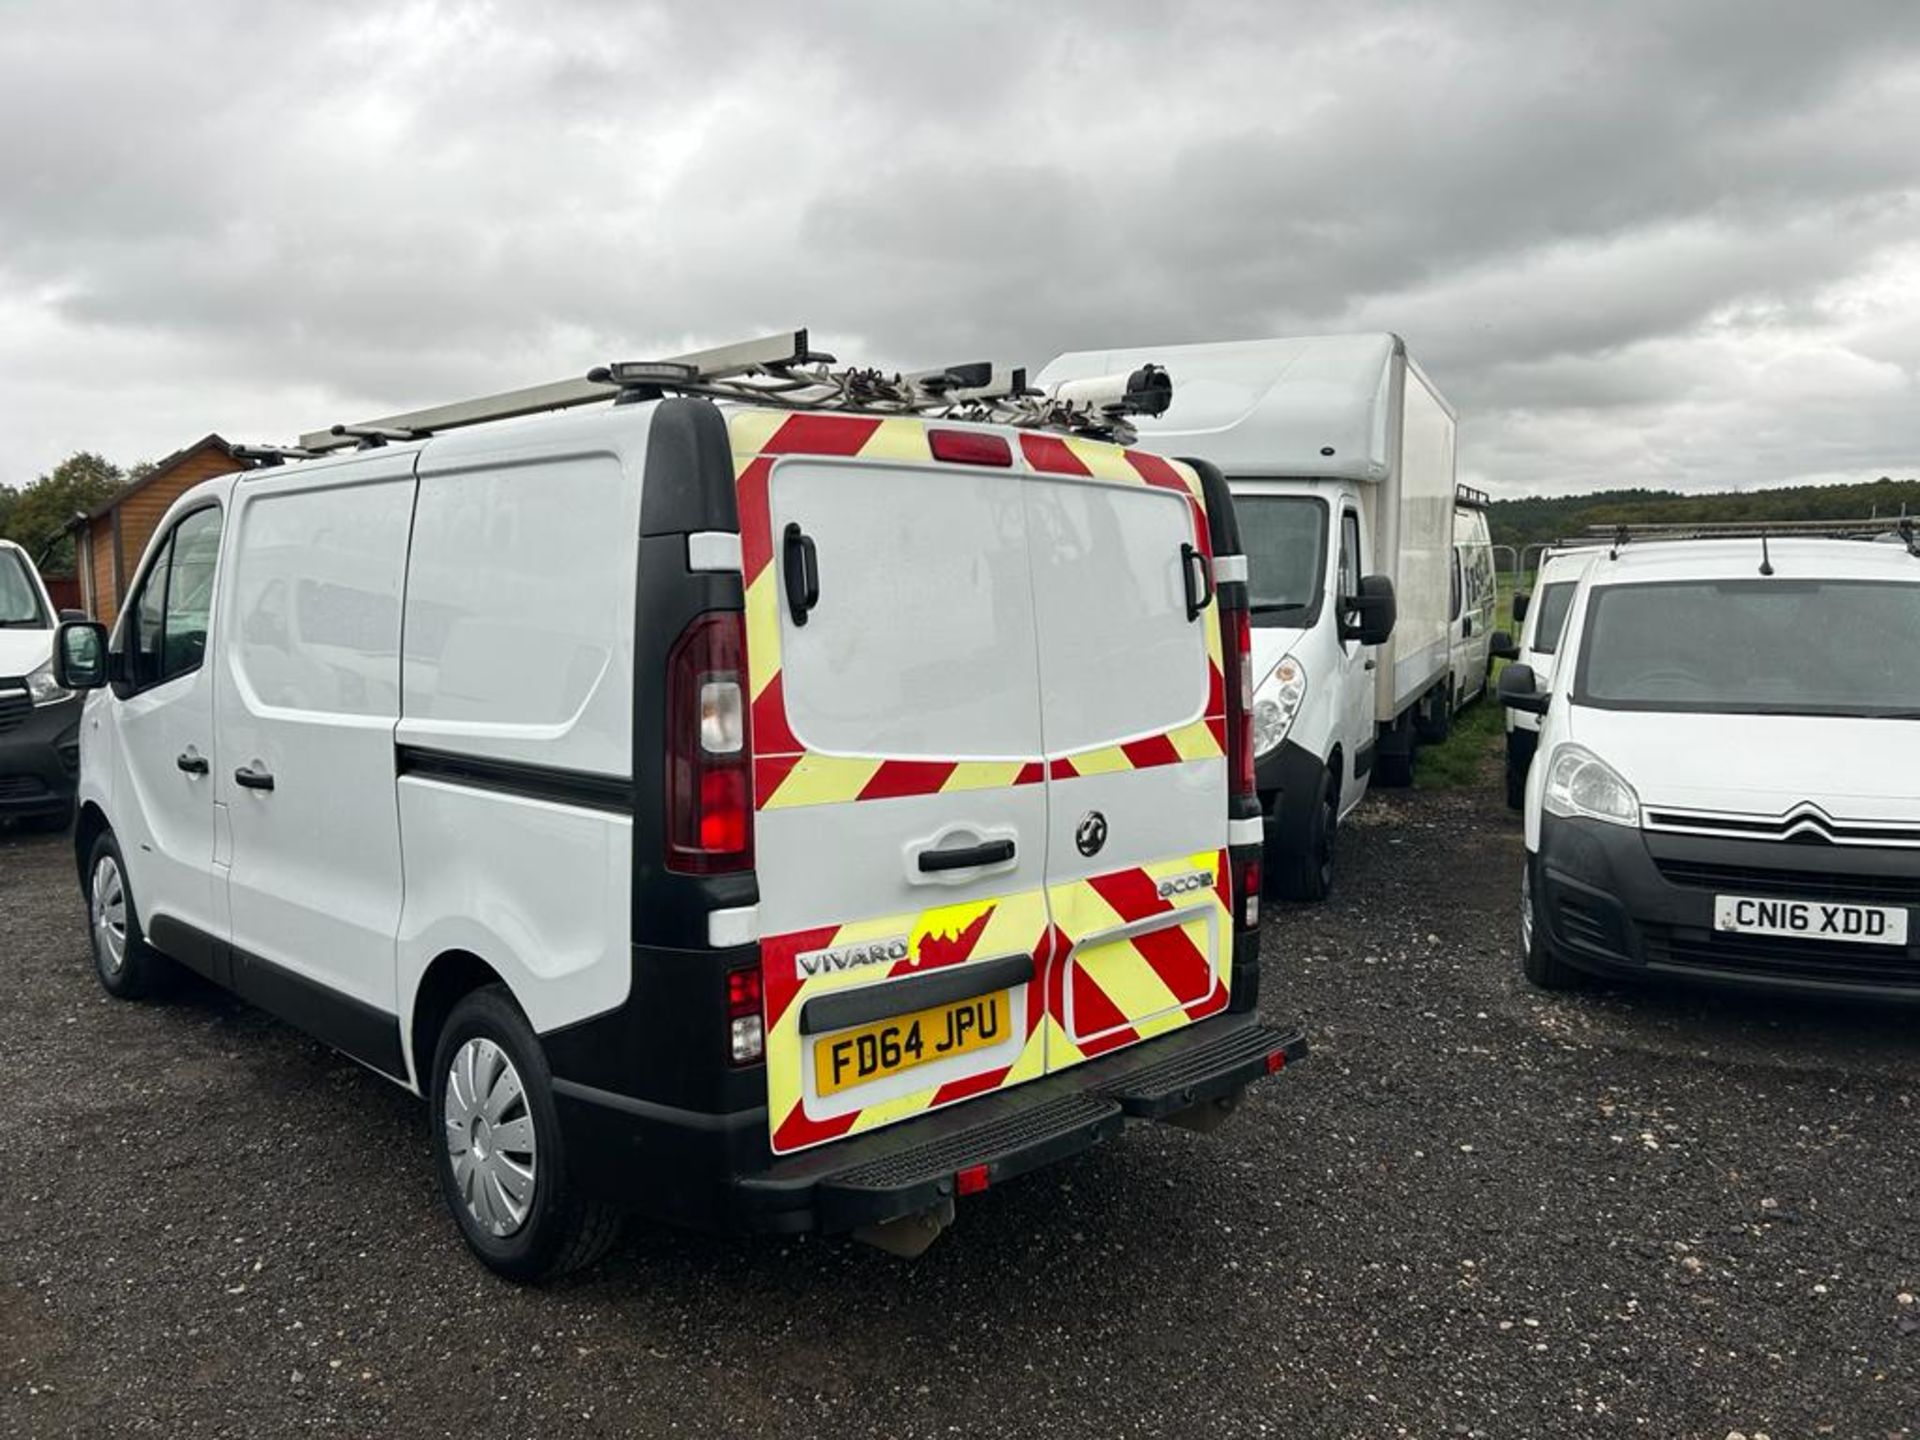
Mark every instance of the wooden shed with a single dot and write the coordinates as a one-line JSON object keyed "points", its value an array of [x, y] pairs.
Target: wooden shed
{"points": [[109, 542]]}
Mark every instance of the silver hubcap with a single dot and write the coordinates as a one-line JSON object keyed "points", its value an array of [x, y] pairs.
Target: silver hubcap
{"points": [[489, 1137], [1526, 910], [108, 901]]}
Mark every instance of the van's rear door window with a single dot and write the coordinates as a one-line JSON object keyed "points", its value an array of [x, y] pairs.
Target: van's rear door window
{"points": [[922, 641]]}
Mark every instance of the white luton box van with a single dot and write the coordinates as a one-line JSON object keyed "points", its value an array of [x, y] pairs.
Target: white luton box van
{"points": [[1340, 455], [743, 796]]}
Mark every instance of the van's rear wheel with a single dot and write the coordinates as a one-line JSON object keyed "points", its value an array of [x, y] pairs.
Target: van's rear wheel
{"points": [[126, 966], [498, 1149]]}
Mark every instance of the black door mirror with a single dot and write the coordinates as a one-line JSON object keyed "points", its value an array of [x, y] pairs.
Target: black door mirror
{"points": [[1368, 616], [66, 615], [1519, 690], [80, 655], [1521, 599], [1503, 647]]}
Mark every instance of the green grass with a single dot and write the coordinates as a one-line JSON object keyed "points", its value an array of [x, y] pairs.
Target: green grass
{"points": [[1472, 754]]}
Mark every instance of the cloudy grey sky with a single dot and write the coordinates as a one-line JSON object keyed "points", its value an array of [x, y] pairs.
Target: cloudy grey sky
{"points": [[1673, 244]]}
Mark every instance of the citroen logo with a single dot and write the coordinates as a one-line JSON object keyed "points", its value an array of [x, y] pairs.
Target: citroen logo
{"points": [[1092, 834]]}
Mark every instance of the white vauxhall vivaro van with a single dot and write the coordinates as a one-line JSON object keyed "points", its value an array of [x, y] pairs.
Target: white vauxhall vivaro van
{"points": [[763, 812], [1725, 788], [39, 723]]}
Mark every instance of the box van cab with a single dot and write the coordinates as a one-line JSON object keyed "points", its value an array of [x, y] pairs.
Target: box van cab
{"points": [[1725, 789], [39, 718], [1542, 614], [1340, 454], [763, 817]]}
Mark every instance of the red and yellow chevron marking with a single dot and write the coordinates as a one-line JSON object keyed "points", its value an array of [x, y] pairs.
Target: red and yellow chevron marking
{"points": [[1094, 990], [947, 935], [785, 773], [1112, 988]]}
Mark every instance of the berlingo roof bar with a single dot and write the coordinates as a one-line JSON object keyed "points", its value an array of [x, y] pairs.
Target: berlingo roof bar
{"points": [[780, 370]]}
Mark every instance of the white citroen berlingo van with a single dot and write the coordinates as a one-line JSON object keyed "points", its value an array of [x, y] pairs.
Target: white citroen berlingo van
{"points": [[765, 796], [1725, 788]]}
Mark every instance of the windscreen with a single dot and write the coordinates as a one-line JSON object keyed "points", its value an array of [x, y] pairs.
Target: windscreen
{"points": [[1285, 540], [1554, 602], [19, 596], [1761, 646]]}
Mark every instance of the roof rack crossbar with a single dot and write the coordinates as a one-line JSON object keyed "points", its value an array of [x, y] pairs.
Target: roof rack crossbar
{"points": [[781, 370]]}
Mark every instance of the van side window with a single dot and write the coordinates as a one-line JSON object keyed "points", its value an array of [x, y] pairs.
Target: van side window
{"points": [[1349, 555], [167, 634], [148, 610], [196, 547]]}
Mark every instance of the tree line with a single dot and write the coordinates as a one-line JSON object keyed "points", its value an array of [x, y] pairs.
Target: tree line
{"points": [[1535, 520], [35, 515]]}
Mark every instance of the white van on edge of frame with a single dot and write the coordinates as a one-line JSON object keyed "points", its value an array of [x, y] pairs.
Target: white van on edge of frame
{"points": [[1340, 455], [1724, 790], [718, 798]]}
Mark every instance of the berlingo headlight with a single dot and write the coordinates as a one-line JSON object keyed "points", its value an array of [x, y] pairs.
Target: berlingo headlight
{"points": [[1276, 702], [1579, 782], [43, 689]]}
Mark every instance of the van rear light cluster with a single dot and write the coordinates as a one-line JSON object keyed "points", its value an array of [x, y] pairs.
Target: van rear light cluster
{"points": [[709, 749], [1240, 702], [1247, 889], [746, 1025]]}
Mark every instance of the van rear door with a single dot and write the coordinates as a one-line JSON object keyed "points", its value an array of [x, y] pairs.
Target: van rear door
{"points": [[1133, 717], [900, 802]]}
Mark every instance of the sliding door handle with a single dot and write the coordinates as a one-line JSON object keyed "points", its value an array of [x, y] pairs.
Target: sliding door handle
{"points": [[191, 763], [248, 778]]}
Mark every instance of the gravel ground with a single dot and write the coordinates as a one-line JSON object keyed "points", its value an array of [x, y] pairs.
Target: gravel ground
{"points": [[1475, 1211]]}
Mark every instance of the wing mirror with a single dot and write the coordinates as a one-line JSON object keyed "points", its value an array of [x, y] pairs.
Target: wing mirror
{"points": [[1521, 600], [1503, 647], [1369, 615], [1519, 690], [80, 655]]}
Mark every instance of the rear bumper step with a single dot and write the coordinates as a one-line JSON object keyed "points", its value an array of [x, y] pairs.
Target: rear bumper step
{"points": [[914, 1166]]}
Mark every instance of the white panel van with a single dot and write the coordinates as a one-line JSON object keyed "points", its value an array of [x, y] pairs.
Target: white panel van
{"points": [[761, 817]]}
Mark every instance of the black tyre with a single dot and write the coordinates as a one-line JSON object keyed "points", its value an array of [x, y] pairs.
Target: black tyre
{"points": [[1393, 761], [1433, 721], [1305, 871], [499, 1151], [1520, 748], [126, 966], [1544, 969]]}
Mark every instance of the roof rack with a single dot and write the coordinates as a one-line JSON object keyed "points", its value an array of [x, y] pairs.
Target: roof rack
{"points": [[1472, 497], [1874, 528], [780, 370]]}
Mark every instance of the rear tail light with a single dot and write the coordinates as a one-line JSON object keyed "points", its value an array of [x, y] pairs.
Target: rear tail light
{"points": [[970, 447], [1246, 892], [1240, 703], [709, 749], [746, 1027]]}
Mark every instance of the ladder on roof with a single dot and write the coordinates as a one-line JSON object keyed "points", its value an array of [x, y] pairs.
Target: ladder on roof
{"points": [[780, 370]]}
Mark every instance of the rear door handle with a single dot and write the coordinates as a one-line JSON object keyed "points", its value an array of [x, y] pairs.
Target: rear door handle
{"points": [[247, 778], [801, 564], [1197, 574], [966, 857], [191, 763]]}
